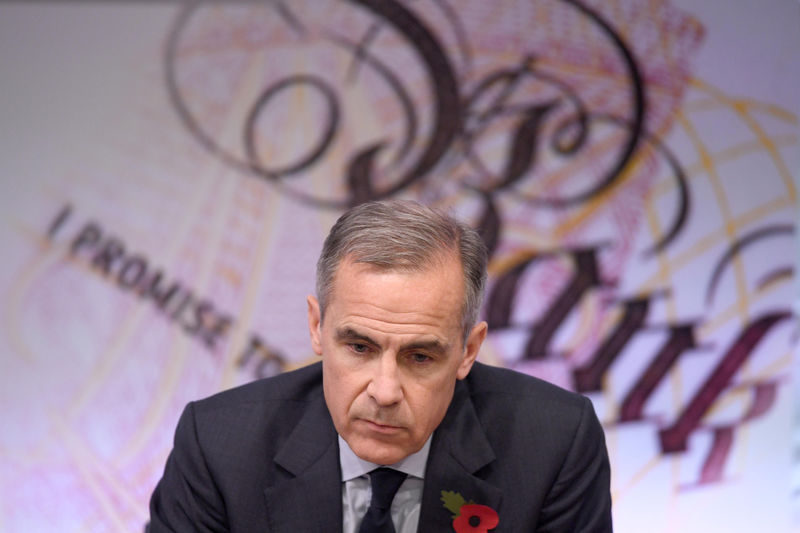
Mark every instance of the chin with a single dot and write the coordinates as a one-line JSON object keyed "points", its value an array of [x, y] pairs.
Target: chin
{"points": [[380, 453]]}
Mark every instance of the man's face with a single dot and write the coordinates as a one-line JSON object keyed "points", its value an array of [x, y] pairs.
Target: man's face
{"points": [[391, 347]]}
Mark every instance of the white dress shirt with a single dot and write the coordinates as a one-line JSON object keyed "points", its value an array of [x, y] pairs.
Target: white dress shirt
{"points": [[357, 492]]}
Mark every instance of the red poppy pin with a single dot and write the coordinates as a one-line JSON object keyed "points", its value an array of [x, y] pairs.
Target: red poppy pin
{"points": [[469, 517]]}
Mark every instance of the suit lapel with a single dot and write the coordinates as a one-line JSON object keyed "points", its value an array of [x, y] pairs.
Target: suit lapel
{"points": [[310, 497], [459, 450]]}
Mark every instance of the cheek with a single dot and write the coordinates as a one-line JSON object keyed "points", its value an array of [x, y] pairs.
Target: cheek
{"points": [[430, 404], [341, 388]]}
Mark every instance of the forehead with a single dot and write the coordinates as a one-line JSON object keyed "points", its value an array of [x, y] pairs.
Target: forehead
{"points": [[370, 295]]}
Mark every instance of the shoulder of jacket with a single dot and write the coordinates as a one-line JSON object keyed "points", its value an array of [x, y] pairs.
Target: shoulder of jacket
{"points": [[301, 385]]}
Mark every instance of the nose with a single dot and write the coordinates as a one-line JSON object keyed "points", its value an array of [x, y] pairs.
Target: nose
{"points": [[385, 387]]}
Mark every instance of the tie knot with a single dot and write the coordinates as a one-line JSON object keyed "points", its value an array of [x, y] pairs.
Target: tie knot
{"points": [[385, 482]]}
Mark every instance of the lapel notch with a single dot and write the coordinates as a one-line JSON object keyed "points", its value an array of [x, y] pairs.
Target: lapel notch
{"points": [[459, 451], [310, 498]]}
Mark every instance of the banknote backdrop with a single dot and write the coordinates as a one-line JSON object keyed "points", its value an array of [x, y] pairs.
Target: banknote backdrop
{"points": [[168, 172]]}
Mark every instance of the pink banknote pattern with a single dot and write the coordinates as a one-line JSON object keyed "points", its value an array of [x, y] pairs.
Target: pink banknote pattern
{"points": [[632, 258]]}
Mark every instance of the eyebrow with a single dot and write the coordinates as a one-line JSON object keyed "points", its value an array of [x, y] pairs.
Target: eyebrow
{"points": [[349, 334], [427, 346]]}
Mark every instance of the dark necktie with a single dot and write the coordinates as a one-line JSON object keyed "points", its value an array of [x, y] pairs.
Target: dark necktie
{"points": [[385, 482]]}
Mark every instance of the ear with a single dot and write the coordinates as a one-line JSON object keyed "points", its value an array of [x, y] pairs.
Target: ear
{"points": [[471, 348], [314, 324]]}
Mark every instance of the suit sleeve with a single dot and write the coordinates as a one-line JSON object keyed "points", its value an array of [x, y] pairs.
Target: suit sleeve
{"points": [[186, 498], [580, 500]]}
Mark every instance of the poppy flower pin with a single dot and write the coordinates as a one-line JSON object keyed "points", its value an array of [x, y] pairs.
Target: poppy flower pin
{"points": [[469, 517]]}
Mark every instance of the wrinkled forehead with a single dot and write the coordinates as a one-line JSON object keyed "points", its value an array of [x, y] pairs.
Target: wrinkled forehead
{"points": [[432, 266]]}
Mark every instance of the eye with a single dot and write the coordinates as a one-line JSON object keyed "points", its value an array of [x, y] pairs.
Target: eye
{"points": [[359, 347], [420, 357]]}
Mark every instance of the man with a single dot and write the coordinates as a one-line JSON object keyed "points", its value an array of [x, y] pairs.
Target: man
{"points": [[478, 448]]}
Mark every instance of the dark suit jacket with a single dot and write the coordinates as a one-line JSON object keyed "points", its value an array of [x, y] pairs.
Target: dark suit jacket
{"points": [[264, 458]]}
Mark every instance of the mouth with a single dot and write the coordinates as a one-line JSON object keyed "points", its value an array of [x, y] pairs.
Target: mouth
{"points": [[377, 427]]}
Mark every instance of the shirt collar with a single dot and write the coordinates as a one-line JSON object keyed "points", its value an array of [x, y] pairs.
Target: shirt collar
{"points": [[353, 466]]}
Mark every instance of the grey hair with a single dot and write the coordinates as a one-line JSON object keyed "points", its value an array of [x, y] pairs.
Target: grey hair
{"points": [[406, 236]]}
